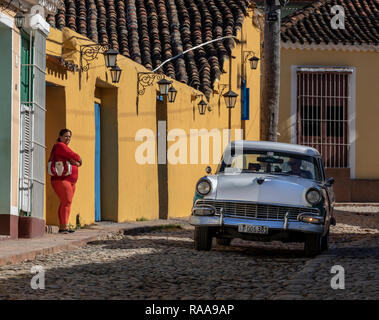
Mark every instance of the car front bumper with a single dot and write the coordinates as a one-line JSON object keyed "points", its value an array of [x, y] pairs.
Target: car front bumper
{"points": [[225, 221]]}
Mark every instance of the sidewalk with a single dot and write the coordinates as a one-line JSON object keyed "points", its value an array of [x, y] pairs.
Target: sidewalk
{"points": [[19, 250]]}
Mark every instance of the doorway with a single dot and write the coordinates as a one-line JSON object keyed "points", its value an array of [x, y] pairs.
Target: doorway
{"points": [[97, 163], [161, 126], [106, 153]]}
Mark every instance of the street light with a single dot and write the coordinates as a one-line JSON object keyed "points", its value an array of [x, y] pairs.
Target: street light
{"points": [[254, 62], [110, 58], [202, 105], [230, 99], [116, 74], [19, 20], [163, 86], [172, 94]]}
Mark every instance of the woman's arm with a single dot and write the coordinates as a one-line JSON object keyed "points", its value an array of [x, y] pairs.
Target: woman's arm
{"points": [[63, 151]]}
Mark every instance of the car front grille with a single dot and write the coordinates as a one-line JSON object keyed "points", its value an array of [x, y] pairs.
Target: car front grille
{"points": [[256, 210]]}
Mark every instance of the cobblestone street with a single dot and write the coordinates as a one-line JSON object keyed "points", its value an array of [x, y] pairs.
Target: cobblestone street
{"points": [[163, 265]]}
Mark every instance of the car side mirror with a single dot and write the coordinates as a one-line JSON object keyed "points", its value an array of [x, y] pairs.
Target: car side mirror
{"points": [[208, 170], [330, 181]]}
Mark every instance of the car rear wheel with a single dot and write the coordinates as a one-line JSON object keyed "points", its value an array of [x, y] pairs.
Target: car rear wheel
{"points": [[203, 239], [312, 245], [223, 241]]}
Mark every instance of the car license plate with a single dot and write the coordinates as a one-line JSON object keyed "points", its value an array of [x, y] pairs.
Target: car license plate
{"points": [[252, 229]]}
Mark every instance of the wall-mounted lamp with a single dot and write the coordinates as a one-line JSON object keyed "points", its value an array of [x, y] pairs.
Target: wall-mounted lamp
{"points": [[202, 105], [253, 60], [89, 52], [230, 99], [146, 79], [164, 86], [254, 63], [110, 58], [19, 20], [116, 74], [172, 92]]}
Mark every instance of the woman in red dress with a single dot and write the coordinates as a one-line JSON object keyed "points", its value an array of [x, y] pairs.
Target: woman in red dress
{"points": [[64, 186]]}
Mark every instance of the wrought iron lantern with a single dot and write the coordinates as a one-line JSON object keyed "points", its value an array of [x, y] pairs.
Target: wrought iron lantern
{"points": [[110, 58], [202, 105], [164, 86], [19, 20], [172, 92], [253, 62], [230, 99], [116, 74]]}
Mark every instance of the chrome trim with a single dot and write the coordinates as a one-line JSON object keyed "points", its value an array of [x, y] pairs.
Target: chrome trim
{"points": [[221, 216], [260, 203], [214, 221], [256, 210], [285, 225], [204, 207]]}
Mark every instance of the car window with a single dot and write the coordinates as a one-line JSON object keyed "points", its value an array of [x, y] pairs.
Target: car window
{"points": [[273, 162]]}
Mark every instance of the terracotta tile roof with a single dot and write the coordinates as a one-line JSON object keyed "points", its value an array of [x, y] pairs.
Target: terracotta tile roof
{"points": [[312, 24], [151, 31]]}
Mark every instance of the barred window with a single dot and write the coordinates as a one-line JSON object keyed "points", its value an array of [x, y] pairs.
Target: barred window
{"points": [[322, 113]]}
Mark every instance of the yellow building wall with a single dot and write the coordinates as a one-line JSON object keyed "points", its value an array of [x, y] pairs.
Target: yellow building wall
{"points": [[136, 188], [182, 178], [367, 97]]}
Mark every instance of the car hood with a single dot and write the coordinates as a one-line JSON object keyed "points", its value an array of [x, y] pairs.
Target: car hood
{"points": [[278, 189]]}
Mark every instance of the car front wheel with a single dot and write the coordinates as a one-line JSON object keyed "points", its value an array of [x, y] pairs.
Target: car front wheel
{"points": [[312, 245], [203, 239], [325, 242]]}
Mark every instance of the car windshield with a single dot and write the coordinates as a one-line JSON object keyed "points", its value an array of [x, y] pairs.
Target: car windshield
{"points": [[280, 163]]}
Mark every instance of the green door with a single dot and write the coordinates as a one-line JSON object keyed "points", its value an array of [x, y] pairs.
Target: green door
{"points": [[26, 74]]}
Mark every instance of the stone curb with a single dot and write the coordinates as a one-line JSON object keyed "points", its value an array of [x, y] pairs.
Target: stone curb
{"points": [[99, 234], [356, 204]]}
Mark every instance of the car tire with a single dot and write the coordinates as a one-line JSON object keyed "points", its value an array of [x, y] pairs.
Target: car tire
{"points": [[203, 239], [223, 241], [325, 242], [312, 245]]}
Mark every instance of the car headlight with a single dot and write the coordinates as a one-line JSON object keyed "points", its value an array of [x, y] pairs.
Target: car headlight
{"points": [[203, 187], [313, 196]]}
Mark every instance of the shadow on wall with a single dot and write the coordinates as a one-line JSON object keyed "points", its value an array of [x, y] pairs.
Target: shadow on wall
{"points": [[55, 71]]}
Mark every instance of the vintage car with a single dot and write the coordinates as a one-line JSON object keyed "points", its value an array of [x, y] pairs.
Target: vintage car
{"points": [[265, 191]]}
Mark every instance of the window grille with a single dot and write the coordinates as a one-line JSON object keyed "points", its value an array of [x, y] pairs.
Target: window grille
{"points": [[32, 142], [322, 113]]}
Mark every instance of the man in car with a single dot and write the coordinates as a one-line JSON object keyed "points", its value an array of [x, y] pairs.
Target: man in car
{"points": [[295, 165]]}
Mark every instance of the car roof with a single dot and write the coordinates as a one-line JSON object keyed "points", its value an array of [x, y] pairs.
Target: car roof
{"points": [[277, 147]]}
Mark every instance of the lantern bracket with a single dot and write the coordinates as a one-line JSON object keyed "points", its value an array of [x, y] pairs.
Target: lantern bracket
{"points": [[146, 79], [89, 52], [247, 54]]}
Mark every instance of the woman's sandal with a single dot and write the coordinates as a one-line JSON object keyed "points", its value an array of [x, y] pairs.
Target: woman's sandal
{"points": [[64, 231]]}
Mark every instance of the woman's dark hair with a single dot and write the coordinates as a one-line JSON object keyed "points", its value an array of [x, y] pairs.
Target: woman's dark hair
{"points": [[62, 132]]}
